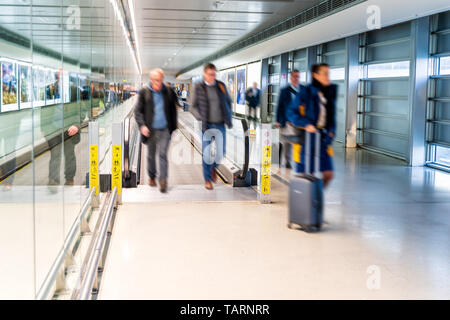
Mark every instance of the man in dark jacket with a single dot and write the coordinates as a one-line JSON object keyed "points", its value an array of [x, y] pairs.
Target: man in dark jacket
{"points": [[288, 133], [210, 104], [252, 96], [315, 111], [156, 115], [51, 119]]}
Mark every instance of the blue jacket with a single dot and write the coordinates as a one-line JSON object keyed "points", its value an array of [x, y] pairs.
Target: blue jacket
{"points": [[253, 100], [284, 101], [305, 108]]}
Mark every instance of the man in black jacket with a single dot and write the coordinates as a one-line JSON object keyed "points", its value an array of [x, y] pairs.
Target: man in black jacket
{"points": [[211, 104], [288, 134], [156, 115], [252, 96]]}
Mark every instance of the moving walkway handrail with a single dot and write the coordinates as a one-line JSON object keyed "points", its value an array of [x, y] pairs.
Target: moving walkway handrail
{"points": [[126, 144], [92, 267], [247, 148], [46, 292]]}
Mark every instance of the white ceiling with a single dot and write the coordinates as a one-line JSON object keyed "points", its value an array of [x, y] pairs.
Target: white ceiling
{"points": [[337, 26], [186, 31], [45, 23]]}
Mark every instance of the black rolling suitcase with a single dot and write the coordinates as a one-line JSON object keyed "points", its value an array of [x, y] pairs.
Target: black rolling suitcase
{"points": [[306, 192]]}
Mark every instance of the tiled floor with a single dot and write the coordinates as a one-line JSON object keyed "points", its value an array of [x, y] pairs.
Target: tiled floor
{"points": [[387, 235]]}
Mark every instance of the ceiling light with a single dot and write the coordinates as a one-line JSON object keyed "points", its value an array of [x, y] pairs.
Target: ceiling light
{"points": [[136, 40], [125, 32]]}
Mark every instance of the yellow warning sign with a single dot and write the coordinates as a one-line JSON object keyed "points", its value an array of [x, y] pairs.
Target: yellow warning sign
{"points": [[117, 168], [266, 163], [266, 184], [93, 165]]}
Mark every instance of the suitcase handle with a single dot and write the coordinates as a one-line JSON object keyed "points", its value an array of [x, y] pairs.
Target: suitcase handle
{"points": [[308, 153]]}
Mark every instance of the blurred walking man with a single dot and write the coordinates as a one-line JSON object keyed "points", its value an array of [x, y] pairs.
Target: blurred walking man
{"points": [[314, 110], [288, 133], [210, 104], [156, 115], [252, 96]]}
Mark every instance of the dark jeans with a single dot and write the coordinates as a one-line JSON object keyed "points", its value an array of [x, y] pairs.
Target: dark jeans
{"points": [[214, 132], [70, 161], [159, 139]]}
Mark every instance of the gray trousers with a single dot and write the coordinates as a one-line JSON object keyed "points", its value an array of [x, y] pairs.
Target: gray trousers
{"points": [[159, 139], [70, 161]]}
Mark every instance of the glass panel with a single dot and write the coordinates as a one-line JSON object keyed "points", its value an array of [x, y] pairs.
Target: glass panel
{"points": [[48, 121], [335, 59], [386, 143], [444, 66], [391, 33], [17, 277], [397, 51], [337, 74], [443, 156], [391, 69]]}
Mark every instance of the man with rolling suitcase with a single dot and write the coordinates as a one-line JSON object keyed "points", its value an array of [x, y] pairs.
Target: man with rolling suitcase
{"points": [[314, 110]]}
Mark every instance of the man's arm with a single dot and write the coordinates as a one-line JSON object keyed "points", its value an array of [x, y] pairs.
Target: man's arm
{"points": [[174, 108], [297, 112], [280, 109], [139, 108], [192, 101], [139, 113]]}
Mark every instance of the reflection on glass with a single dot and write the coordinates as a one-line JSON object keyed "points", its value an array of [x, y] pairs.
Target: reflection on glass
{"points": [[39, 87], [25, 86]]}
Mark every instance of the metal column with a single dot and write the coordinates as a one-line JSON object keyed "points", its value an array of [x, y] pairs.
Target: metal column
{"points": [[351, 87], [311, 56], [418, 90]]}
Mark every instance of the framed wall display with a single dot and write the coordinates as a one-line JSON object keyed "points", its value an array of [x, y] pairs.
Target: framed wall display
{"points": [[38, 86], [231, 87], [223, 77], [9, 91], [240, 90], [25, 86]]}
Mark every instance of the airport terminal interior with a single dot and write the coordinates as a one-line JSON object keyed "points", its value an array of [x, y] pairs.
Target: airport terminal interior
{"points": [[79, 219]]}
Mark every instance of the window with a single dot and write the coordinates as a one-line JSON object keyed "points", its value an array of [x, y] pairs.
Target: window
{"points": [[388, 70], [337, 74], [444, 66]]}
